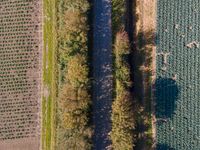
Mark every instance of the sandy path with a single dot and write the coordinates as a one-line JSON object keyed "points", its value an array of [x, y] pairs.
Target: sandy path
{"points": [[102, 73]]}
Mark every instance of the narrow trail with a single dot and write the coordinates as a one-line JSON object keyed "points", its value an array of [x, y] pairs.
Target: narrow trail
{"points": [[102, 73]]}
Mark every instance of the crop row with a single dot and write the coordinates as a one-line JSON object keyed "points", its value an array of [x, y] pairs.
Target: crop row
{"points": [[176, 86], [20, 65]]}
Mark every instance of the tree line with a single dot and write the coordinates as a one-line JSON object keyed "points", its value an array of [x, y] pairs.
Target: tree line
{"points": [[74, 102]]}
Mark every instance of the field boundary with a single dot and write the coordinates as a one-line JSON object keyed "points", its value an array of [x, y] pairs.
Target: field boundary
{"points": [[49, 75], [153, 81], [146, 32]]}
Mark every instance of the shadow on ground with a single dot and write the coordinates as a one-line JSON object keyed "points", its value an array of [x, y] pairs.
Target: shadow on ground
{"points": [[142, 43], [164, 147], [166, 92]]}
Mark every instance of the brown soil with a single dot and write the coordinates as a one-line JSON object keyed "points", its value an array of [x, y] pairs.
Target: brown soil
{"points": [[20, 144], [21, 74]]}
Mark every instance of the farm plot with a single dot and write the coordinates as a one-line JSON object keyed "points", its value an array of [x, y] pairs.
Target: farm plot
{"points": [[20, 74], [177, 75]]}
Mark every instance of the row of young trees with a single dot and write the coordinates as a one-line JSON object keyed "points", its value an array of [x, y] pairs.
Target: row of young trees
{"points": [[123, 123], [123, 119], [74, 98]]}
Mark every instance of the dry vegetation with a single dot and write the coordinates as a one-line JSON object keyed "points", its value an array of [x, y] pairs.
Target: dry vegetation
{"points": [[142, 49]]}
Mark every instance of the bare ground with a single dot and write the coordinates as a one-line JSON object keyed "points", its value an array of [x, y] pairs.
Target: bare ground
{"points": [[21, 74]]}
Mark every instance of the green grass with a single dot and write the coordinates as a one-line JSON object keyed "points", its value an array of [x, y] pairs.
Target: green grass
{"points": [[49, 75]]}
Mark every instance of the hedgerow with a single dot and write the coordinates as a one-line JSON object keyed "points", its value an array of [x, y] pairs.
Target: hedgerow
{"points": [[123, 122], [75, 103], [118, 15], [122, 134], [74, 130]]}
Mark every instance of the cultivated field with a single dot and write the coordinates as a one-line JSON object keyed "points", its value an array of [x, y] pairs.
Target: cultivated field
{"points": [[177, 75], [20, 74]]}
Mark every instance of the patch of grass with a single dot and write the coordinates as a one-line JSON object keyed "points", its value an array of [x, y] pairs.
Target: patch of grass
{"points": [[43, 121], [49, 75]]}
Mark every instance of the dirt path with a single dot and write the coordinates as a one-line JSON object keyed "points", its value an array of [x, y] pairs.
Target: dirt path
{"points": [[146, 26], [102, 73]]}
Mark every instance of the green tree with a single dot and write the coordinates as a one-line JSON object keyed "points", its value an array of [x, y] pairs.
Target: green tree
{"points": [[118, 15]]}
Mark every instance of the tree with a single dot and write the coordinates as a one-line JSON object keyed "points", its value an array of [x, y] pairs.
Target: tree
{"points": [[122, 133]]}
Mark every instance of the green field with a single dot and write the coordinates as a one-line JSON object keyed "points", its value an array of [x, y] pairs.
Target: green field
{"points": [[49, 76], [177, 75]]}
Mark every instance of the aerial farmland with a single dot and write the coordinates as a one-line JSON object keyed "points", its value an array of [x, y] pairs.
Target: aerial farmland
{"points": [[177, 75], [99, 75], [20, 75]]}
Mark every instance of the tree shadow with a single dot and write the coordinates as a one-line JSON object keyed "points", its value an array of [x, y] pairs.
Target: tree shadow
{"points": [[164, 147], [166, 94], [142, 44], [142, 65]]}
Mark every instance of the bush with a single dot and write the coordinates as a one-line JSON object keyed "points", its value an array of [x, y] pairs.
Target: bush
{"points": [[74, 129], [77, 71], [122, 134], [73, 30], [118, 17], [74, 104]]}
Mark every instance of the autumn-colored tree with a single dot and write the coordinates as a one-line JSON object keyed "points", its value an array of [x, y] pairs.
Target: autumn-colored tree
{"points": [[123, 123], [74, 128]]}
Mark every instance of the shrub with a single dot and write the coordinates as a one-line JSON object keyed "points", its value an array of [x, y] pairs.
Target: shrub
{"points": [[118, 17], [74, 129], [77, 71], [74, 104], [73, 30], [122, 134]]}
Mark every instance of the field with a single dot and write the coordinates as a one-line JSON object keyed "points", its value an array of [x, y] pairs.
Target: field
{"points": [[177, 75], [20, 75]]}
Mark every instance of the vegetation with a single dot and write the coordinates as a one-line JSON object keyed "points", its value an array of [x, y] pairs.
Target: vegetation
{"points": [[143, 72], [72, 31], [123, 121], [118, 15], [122, 134], [177, 84], [74, 130], [49, 76]]}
